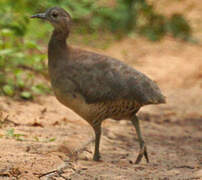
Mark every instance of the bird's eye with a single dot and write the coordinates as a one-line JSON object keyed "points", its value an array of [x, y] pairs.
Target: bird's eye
{"points": [[55, 15]]}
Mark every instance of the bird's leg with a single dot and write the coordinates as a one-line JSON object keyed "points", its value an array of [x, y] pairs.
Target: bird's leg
{"points": [[143, 149], [97, 130]]}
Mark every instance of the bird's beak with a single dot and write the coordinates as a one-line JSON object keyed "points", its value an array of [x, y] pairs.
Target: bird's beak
{"points": [[40, 15]]}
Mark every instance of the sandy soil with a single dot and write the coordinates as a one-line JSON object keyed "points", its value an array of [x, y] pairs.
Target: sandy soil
{"points": [[44, 140]]}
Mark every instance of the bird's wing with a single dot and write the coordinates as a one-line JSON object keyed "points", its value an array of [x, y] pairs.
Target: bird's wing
{"points": [[101, 78]]}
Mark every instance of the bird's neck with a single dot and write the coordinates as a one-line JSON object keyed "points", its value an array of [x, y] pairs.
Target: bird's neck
{"points": [[58, 51], [60, 34], [58, 40], [57, 46]]}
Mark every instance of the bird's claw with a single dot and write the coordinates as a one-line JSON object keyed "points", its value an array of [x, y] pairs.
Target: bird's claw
{"points": [[143, 152]]}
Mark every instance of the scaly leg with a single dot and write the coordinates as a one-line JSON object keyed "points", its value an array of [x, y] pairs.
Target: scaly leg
{"points": [[143, 149], [97, 130]]}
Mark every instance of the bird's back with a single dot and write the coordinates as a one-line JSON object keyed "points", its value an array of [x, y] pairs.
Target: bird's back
{"points": [[100, 78]]}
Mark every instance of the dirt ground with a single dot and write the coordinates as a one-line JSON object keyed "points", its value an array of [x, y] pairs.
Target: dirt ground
{"points": [[44, 140]]}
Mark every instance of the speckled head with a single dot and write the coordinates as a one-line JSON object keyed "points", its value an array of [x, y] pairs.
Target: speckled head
{"points": [[57, 16]]}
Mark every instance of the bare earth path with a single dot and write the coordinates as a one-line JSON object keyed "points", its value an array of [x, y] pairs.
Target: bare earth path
{"points": [[40, 137]]}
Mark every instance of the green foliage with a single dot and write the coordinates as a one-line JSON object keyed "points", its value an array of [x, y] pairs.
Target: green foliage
{"points": [[179, 27], [11, 134], [18, 64], [47, 140], [125, 16], [16, 56], [8, 90], [21, 59], [26, 95]]}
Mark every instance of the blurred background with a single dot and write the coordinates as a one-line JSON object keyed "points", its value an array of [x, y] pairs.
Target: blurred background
{"points": [[161, 38], [97, 24]]}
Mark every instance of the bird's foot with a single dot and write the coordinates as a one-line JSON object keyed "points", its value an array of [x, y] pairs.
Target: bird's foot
{"points": [[96, 157], [143, 152]]}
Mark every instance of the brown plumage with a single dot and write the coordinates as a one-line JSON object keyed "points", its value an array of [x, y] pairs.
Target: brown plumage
{"points": [[93, 85]]}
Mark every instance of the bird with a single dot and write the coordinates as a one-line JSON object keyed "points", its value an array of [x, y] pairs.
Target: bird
{"points": [[96, 86]]}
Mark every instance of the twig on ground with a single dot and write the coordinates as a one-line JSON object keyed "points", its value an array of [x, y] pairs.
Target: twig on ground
{"points": [[7, 120], [182, 166], [185, 166], [58, 172]]}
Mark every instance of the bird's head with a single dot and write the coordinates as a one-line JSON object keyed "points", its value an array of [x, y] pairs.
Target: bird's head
{"points": [[57, 16]]}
